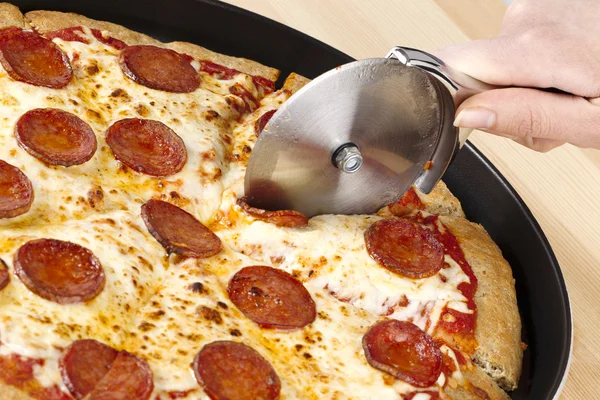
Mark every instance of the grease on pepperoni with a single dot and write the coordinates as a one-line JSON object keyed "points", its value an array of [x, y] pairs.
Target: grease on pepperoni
{"points": [[4, 277], [159, 68], [231, 370], [147, 146], [285, 218], [404, 247], [28, 57], [56, 137], [93, 370], [404, 351], [16, 191], [178, 231], [59, 271], [272, 298]]}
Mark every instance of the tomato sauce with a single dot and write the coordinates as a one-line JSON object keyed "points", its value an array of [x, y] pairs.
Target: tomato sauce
{"points": [[17, 371]]}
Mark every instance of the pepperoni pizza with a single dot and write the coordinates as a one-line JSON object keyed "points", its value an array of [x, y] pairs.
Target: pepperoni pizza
{"points": [[132, 267]]}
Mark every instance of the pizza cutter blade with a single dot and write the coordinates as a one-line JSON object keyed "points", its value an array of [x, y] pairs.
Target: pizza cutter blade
{"points": [[357, 137]]}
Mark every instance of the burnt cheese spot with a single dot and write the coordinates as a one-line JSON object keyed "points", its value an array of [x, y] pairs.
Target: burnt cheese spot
{"points": [[95, 197], [94, 115], [156, 314], [210, 115], [146, 326], [120, 94], [92, 69], [198, 287], [209, 314], [142, 110]]}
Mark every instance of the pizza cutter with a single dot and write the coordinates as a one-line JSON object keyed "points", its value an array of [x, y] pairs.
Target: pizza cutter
{"points": [[357, 137]]}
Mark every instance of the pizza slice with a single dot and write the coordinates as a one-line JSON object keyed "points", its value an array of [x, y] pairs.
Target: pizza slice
{"points": [[441, 273]]}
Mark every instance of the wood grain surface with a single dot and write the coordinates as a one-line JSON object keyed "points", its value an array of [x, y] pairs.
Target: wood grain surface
{"points": [[562, 187]]}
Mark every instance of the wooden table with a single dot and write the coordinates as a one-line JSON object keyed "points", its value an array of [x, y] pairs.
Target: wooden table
{"points": [[562, 187]]}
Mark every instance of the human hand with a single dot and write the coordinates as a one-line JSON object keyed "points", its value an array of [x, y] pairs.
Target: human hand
{"points": [[542, 44]]}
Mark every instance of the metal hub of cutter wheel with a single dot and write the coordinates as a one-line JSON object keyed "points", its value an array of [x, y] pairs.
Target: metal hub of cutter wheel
{"points": [[357, 137]]}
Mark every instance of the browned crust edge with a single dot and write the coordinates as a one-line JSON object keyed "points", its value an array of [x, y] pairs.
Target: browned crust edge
{"points": [[48, 21], [441, 201], [11, 16], [498, 329], [294, 82], [480, 380]]}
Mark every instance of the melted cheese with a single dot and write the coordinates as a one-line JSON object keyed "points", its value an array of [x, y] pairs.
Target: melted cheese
{"points": [[330, 252], [133, 264], [100, 94], [323, 360], [165, 309]]}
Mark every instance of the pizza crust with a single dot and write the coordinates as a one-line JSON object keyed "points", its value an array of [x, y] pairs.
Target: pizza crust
{"points": [[479, 380], [498, 329], [295, 82], [441, 201], [11, 16], [48, 21]]}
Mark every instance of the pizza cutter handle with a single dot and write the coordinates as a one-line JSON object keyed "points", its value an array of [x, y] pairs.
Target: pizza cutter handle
{"points": [[460, 85]]}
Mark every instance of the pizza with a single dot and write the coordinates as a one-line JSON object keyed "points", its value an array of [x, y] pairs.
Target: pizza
{"points": [[132, 266]]}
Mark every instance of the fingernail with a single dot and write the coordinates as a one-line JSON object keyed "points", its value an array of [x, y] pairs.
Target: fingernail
{"points": [[476, 118]]}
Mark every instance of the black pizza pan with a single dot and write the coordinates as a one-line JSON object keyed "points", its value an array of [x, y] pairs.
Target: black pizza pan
{"points": [[486, 196]]}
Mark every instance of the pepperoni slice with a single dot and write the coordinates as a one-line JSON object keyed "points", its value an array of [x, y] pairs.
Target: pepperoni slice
{"points": [[129, 378], [404, 351], [56, 137], [94, 370], [84, 363], [404, 248], [230, 370], [178, 231], [264, 119], [62, 272], [147, 146], [4, 277], [16, 191], [285, 218], [30, 58], [159, 68], [272, 298]]}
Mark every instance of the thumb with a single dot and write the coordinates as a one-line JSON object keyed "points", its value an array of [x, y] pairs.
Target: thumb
{"points": [[539, 120]]}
